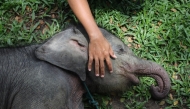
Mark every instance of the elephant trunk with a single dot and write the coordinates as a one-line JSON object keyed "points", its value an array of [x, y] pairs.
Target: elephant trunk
{"points": [[152, 69]]}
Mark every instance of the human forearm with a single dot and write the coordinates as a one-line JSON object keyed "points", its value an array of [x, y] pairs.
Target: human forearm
{"points": [[83, 13]]}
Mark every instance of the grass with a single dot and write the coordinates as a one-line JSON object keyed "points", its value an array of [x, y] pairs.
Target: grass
{"points": [[155, 30]]}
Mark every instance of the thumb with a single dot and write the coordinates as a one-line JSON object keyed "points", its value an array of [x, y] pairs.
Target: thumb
{"points": [[112, 53]]}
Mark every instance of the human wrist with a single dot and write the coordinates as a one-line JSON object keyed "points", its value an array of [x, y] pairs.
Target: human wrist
{"points": [[95, 34]]}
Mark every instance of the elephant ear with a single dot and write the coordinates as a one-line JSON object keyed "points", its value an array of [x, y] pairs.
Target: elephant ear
{"points": [[68, 50]]}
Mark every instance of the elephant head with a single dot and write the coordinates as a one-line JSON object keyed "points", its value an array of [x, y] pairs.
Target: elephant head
{"points": [[69, 50]]}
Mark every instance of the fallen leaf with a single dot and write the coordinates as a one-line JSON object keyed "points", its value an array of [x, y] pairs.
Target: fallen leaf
{"points": [[111, 21], [17, 18], [38, 27], [162, 103], [28, 9], [124, 29], [129, 39], [45, 29], [171, 96], [175, 103], [41, 22], [159, 23], [129, 45], [54, 9], [53, 16], [173, 10], [134, 27], [156, 26], [174, 76], [137, 46]]}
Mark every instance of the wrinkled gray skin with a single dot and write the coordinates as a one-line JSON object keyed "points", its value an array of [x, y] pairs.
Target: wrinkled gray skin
{"points": [[29, 83], [50, 81]]}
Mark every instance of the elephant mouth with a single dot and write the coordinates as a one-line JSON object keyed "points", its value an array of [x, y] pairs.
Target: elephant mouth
{"points": [[128, 75]]}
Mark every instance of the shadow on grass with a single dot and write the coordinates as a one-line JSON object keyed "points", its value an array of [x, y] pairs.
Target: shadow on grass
{"points": [[127, 7]]}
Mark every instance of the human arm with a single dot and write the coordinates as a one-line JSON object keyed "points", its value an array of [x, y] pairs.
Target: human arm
{"points": [[99, 48]]}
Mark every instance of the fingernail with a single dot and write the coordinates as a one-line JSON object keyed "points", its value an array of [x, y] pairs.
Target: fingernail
{"points": [[89, 69], [115, 56], [111, 71], [97, 74], [102, 76]]}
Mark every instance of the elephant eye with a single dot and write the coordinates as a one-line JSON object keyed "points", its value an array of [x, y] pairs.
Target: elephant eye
{"points": [[78, 42], [121, 50]]}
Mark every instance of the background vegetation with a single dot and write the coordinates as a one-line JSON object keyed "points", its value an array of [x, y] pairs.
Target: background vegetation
{"points": [[155, 30]]}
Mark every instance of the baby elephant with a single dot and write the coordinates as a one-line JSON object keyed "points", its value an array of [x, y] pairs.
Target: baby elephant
{"points": [[48, 75]]}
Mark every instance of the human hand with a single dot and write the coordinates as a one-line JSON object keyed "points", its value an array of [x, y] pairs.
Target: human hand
{"points": [[100, 50]]}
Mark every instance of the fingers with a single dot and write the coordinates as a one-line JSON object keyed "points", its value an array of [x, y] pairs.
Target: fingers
{"points": [[102, 72], [109, 64], [99, 53], [112, 53], [99, 65], [90, 60], [96, 67]]}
